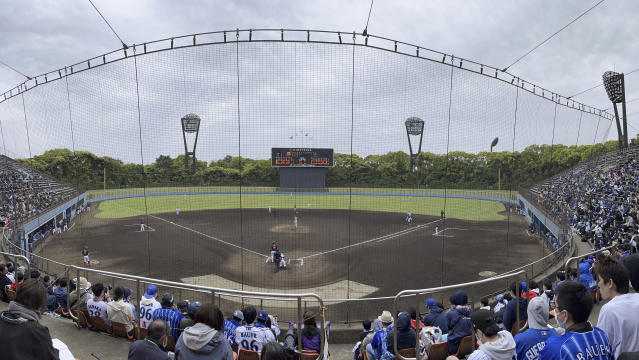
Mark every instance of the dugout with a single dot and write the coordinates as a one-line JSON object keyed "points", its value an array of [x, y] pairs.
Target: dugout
{"points": [[302, 168]]}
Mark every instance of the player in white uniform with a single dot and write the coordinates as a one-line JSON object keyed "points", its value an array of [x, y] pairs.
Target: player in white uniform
{"points": [[177, 211], [251, 337], [96, 305], [436, 228], [269, 209], [141, 225], [295, 221], [273, 251], [85, 256], [148, 305], [409, 217]]}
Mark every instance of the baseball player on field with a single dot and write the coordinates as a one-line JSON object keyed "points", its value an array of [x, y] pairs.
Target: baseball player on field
{"points": [[141, 225], [295, 221], [409, 217], [273, 251], [436, 228], [85, 256], [177, 211]]}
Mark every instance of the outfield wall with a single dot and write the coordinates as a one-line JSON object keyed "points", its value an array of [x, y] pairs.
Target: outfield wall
{"points": [[534, 215]]}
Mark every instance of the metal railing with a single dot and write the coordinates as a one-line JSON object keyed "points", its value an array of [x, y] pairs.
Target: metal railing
{"points": [[609, 248], [212, 291], [416, 293], [20, 257]]}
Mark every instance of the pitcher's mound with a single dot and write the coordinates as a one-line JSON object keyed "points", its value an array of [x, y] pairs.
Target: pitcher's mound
{"points": [[290, 229]]}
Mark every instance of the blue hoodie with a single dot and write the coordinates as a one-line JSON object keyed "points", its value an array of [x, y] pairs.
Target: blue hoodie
{"points": [[436, 317], [405, 336], [459, 324]]}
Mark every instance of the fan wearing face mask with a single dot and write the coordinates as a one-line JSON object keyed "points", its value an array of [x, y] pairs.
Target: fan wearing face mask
{"points": [[573, 304]]}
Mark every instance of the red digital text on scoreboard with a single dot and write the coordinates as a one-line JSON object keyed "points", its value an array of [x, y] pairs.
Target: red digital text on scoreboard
{"points": [[301, 157]]}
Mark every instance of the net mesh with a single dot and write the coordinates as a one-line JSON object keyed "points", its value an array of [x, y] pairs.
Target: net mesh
{"points": [[376, 227]]}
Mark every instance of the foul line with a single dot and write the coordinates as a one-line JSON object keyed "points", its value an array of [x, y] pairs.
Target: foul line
{"points": [[378, 239]]}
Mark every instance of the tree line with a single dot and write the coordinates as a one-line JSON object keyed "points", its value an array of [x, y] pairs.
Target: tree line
{"points": [[454, 170]]}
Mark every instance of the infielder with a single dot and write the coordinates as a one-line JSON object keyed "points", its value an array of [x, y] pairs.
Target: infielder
{"points": [[177, 211], [295, 221], [409, 217], [85, 256], [273, 251], [270, 210], [436, 228], [141, 225]]}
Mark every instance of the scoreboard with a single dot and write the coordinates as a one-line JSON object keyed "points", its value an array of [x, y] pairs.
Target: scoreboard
{"points": [[301, 157]]}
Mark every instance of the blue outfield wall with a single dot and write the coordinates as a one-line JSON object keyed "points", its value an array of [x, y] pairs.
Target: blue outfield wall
{"points": [[44, 217], [534, 215], [326, 193]]}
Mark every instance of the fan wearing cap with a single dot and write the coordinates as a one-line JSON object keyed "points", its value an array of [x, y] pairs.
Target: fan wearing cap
{"points": [[251, 337], [494, 344], [376, 348], [189, 314], [83, 293], [436, 316], [169, 314], [458, 317], [148, 305], [230, 325], [531, 341]]}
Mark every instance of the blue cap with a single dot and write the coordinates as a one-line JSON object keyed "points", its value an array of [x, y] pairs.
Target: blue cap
{"points": [[431, 302], [238, 314], [500, 297], [524, 286], [151, 290], [11, 268], [262, 315], [193, 308]]}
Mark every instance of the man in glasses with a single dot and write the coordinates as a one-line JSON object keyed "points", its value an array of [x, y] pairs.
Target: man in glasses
{"points": [[581, 340]]}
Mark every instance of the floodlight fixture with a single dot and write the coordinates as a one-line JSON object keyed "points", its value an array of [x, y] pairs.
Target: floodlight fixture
{"points": [[190, 125], [414, 127], [616, 91], [494, 143]]}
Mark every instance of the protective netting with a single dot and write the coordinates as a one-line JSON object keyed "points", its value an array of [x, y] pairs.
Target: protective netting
{"points": [[114, 130]]}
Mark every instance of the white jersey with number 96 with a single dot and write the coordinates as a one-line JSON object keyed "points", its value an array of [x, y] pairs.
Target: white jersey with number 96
{"points": [[253, 338]]}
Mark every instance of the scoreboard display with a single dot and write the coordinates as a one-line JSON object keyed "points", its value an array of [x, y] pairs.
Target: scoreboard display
{"points": [[301, 157]]}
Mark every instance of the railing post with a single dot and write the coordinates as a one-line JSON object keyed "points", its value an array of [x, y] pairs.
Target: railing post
{"points": [[299, 323], [213, 296]]}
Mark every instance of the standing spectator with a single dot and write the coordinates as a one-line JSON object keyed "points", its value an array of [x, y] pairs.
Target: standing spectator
{"points": [[190, 315], [205, 339], [510, 315], [573, 304], [4, 281], [96, 305], [531, 341], [251, 337], [436, 316], [459, 324], [231, 325], [615, 317], [119, 311], [153, 347], [23, 337], [148, 305], [169, 314], [495, 344]]}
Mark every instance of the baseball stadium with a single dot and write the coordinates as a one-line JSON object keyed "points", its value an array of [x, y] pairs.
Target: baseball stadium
{"points": [[300, 171]]}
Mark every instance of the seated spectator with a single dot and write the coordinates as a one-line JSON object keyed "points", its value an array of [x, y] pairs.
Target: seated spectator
{"points": [[35, 274], [458, 317], [148, 305], [205, 339], [153, 346], [527, 293], [405, 336], [484, 303], [585, 274], [560, 277], [366, 342], [23, 337], [11, 274], [274, 351], [366, 325], [52, 302], [61, 293], [547, 293], [375, 348], [436, 316], [119, 311], [251, 337], [190, 315], [4, 281], [310, 333], [19, 280], [632, 264], [413, 318], [494, 344], [531, 341], [182, 307], [79, 297], [615, 317], [573, 304], [96, 305], [231, 325], [170, 315], [510, 314], [127, 294], [46, 281], [501, 302]]}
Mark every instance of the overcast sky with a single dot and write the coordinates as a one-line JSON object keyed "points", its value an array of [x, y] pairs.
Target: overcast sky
{"points": [[41, 36]]}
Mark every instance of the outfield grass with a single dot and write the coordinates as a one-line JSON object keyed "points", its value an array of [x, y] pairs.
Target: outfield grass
{"points": [[466, 209]]}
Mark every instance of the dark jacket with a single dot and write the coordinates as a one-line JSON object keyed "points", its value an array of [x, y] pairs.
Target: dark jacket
{"points": [[459, 325], [147, 349], [436, 317], [4, 281], [23, 337], [200, 341], [61, 296], [405, 334], [510, 314]]}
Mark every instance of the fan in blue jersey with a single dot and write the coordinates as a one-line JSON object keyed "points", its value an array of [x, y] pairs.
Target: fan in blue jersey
{"points": [[231, 325], [531, 341], [581, 340], [170, 315]]}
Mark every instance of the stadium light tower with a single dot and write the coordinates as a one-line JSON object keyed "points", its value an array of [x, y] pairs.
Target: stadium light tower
{"points": [[415, 127], [616, 90], [492, 145], [190, 125]]}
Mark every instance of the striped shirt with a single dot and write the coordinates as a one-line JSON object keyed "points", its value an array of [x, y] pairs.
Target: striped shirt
{"points": [[588, 345], [172, 318]]}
